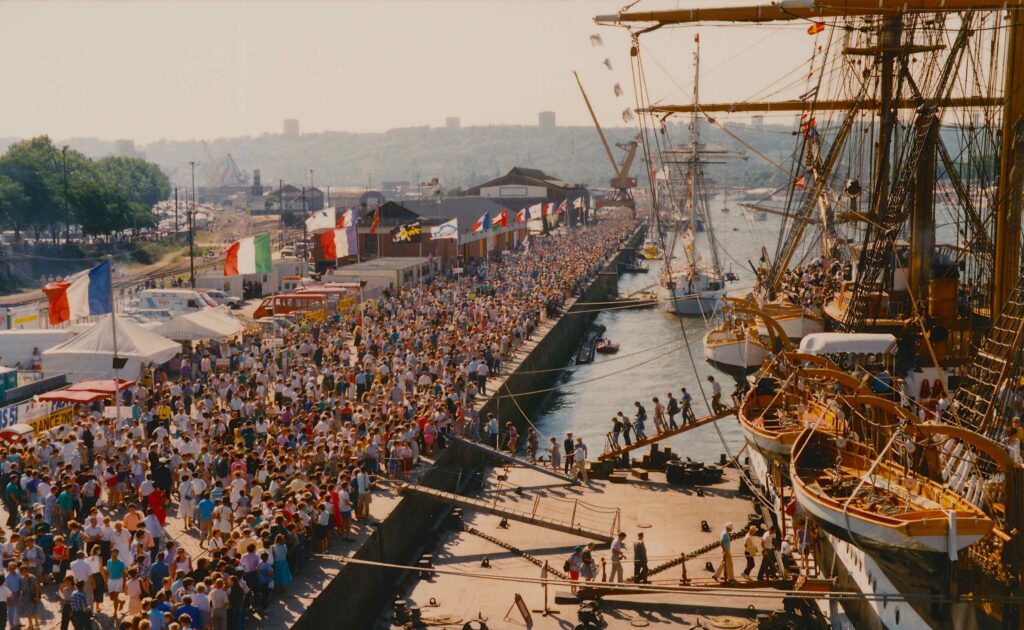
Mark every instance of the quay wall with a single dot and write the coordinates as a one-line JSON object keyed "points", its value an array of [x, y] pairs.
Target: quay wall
{"points": [[356, 595]]}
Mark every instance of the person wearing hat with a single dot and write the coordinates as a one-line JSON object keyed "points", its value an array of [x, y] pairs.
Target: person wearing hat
{"points": [[751, 545], [725, 569]]}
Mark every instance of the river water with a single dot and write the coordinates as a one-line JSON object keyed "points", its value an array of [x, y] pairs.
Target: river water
{"points": [[653, 357]]}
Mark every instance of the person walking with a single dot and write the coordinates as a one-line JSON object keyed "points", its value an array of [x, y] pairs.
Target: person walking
{"points": [[492, 430], [751, 546], [513, 438], [724, 570], [640, 560], [556, 455], [767, 568], [618, 555], [579, 461], [660, 424], [616, 431], [627, 426], [638, 422], [570, 447], [716, 396], [687, 411], [81, 616], [672, 409]]}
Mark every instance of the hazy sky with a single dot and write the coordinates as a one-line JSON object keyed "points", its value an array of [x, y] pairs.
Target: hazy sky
{"points": [[183, 70]]}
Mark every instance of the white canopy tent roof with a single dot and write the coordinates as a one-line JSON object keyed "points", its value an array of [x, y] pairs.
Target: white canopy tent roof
{"points": [[90, 354], [211, 323], [847, 343]]}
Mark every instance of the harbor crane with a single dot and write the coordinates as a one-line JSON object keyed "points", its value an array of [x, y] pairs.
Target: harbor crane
{"points": [[622, 182]]}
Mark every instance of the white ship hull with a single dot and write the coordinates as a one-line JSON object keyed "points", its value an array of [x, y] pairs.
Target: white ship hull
{"points": [[698, 303], [795, 326], [743, 353]]}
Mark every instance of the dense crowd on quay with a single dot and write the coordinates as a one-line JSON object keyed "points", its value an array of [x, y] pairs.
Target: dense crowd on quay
{"points": [[262, 455]]}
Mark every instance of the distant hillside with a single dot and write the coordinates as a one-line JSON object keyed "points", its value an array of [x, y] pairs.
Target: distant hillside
{"points": [[459, 157]]}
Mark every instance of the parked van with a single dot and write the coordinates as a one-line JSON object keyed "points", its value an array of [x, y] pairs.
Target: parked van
{"points": [[339, 296], [177, 301], [285, 303]]}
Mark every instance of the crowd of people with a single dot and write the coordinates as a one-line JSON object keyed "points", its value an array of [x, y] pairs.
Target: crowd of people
{"points": [[257, 455], [814, 283]]}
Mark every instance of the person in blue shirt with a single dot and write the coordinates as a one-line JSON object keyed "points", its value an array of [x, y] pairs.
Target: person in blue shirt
{"points": [[265, 576], [187, 609], [158, 571], [115, 580], [205, 510]]}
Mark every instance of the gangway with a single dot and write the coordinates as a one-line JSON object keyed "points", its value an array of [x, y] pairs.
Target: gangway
{"points": [[512, 458], [615, 453], [532, 517]]}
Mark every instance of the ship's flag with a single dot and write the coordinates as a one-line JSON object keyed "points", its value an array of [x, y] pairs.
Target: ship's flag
{"points": [[339, 243], [321, 221], [249, 255], [482, 224], [501, 222], [448, 229], [522, 215], [807, 126], [346, 219], [81, 295], [407, 233], [815, 28], [376, 220], [799, 182]]}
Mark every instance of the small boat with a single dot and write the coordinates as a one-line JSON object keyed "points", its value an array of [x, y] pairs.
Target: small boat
{"points": [[873, 501], [604, 346], [651, 251], [589, 346]]}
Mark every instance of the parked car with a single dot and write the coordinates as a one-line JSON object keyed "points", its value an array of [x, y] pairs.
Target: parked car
{"points": [[221, 297], [288, 252]]}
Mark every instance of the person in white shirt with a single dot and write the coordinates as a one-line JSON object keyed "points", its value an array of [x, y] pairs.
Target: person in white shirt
{"points": [[618, 555]]}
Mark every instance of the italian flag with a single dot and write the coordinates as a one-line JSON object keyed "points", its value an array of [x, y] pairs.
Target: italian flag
{"points": [[249, 255]]}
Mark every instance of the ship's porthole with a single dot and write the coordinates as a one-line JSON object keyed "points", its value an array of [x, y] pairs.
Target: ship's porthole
{"points": [[897, 616]]}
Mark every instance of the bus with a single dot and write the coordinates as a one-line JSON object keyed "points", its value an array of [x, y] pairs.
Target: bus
{"points": [[340, 296], [285, 303]]}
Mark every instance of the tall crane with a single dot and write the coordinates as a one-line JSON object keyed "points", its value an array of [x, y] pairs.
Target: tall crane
{"points": [[622, 182]]}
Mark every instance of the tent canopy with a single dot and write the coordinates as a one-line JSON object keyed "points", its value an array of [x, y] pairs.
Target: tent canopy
{"points": [[847, 343], [102, 387], [89, 355], [81, 397], [211, 323]]}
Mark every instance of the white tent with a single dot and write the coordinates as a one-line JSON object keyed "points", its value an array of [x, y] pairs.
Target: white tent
{"points": [[90, 354], [847, 343], [211, 323]]}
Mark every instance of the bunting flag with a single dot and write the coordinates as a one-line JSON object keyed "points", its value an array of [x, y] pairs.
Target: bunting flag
{"points": [[248, 256], [346, 219], [501, 222], [448, 229], [320, 221], [376, 220], [807, 126], [83, 294], [815, 28], [482, 224], [340, 242], [408, 233]]}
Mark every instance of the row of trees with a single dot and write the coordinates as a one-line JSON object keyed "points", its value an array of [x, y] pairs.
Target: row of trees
{"points": [[43, 186]]}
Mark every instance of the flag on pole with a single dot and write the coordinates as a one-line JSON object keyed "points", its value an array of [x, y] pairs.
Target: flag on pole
{"points": [[561, 207], [249, 255], [448, 229], [321, 221], [545, 209], [376, 220], [501, 222], [408, 233], [799, 182], [482, 224], [83, 294], [522, 215], [577, 203], [346, 219], [339, 243], [815, 28]]}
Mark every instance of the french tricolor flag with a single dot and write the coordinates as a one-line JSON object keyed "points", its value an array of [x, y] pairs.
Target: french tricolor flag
{"points": [[87, 293]]}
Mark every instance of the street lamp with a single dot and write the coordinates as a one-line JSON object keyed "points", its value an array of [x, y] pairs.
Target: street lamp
{"points": [[192, 232], [67, 208]]}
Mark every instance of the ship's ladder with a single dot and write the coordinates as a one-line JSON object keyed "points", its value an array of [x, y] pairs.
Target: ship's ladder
{"points": [[614, 451], [519, 461]]}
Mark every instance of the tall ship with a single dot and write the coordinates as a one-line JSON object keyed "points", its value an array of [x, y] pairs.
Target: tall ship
{"points": [[690, 283], [894, 431]]}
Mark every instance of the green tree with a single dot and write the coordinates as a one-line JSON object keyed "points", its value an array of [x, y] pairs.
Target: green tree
{"points": [[12, 196], [138, 180], [36, 166]]}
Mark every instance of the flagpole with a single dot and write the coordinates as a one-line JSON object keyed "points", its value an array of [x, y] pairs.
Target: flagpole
{"points": [[113, 330]]}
